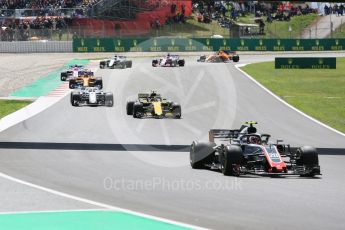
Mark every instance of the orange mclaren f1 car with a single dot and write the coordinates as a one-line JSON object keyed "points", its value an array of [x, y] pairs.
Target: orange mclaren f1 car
{"points": [[220, 56]]}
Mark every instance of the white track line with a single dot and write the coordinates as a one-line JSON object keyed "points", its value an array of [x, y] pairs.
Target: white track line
{"points": [[284, 102], [95, 203], [51, 211]]}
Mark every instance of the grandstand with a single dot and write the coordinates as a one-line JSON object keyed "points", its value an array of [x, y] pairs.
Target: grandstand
{"points": [[20, 19], [109, 18]]}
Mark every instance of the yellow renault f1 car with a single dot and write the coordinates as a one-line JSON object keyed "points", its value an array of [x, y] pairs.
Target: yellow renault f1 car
{"points": [[153, 105]]}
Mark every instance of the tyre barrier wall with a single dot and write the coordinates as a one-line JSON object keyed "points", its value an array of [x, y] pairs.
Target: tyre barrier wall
{"points": [[36, 47], [203, 44]]}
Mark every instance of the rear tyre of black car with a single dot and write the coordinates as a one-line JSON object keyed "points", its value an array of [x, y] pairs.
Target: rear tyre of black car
{"points": [[232, 159], [129, 107]]}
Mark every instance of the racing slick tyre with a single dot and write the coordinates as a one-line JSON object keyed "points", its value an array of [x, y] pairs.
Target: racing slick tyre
{"points": [[75, 98], [154, 63], [231, 161], [63, 76], [99, 83], [71, 84], [138, 110], [109, 99], [202, 59], [309, 158], [176, 110], [181, 62], [129, 107], [235, 58], [129, 64], [102, 64], [123, 65], [200, 154]]}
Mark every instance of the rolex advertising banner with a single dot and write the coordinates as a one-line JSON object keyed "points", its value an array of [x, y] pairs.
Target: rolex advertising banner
{"points": [[306, 63], [203, 44]]}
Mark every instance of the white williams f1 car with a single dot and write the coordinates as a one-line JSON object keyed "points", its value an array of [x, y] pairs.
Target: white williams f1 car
{"points": [[168, 60], [116, 62], [92, 96]]}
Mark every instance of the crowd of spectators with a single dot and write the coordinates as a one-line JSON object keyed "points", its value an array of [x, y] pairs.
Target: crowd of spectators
{"points": [[38, 18], [228, 12], [339, 10], [177, 17], [40, 27], [30, 8]]}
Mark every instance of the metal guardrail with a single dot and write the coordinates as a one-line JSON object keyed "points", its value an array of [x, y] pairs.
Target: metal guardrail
{"points": [[36, 47], [11, 35]]}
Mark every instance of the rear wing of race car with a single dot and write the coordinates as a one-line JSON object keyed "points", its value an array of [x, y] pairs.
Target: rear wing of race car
{"points": [[143, 95], [223, 134], [85, 73], [76, 66], [146, 95]]}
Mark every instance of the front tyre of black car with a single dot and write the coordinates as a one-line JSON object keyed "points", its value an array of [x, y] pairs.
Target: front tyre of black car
{"points": [[232, 158], [192, 152], [309, 159]]}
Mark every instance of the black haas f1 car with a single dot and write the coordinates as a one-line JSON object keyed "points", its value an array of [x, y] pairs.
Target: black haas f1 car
{"points": [[85, 79], [72, 71], [243, 151], [116, 62], [152, 105], [168, 60], [91, 96], [220, 56]]}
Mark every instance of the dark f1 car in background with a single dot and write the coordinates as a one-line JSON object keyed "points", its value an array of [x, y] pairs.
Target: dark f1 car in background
{"points": [[153, 105], [72, 71], [116, 62], [168, 60], [85, 79], [220, 56], [92, 96], [243, 151]]}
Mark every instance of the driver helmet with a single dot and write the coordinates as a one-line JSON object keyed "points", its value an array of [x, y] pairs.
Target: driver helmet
{"points": [[153, 94], [254, 140]]}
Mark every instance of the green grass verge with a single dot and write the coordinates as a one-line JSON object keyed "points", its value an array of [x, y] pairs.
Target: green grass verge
{"points": [[280, 29], [339, 32], [192, 28], [318, 93], [10, 106]]}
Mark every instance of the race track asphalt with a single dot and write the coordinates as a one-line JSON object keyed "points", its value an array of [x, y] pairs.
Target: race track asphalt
{"points": [[161, 183]]}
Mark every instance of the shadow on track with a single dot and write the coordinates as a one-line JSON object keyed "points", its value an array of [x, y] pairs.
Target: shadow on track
{"points": [[93, 146], [125, 147]]}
